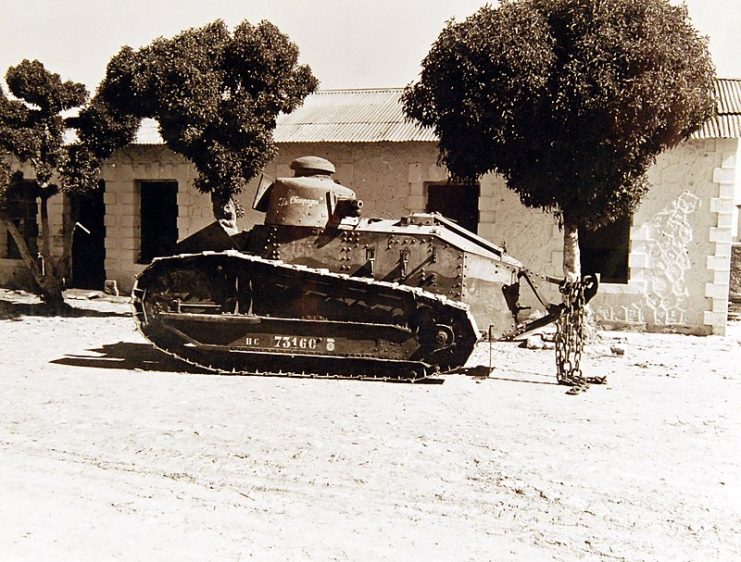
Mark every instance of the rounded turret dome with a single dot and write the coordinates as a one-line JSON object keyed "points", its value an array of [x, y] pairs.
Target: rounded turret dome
{"points": [[312, 166]]}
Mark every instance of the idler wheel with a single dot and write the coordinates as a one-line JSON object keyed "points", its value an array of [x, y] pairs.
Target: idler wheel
{"points": [[444, 336]]}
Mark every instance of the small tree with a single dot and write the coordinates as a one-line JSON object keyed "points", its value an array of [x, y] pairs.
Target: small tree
{"points": [[32, 129], [216, 96], [570, 100]]}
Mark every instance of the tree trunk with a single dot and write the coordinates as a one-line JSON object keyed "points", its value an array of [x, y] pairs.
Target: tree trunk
{"points": [[68, 232], [45, 238], [49, 287], [570, 325], [571, 258], [53, 287], [225, 212]]}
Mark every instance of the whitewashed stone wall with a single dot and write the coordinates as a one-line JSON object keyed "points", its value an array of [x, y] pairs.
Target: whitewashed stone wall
{"points": [[680, 239], [122, 174], [680, 242]]}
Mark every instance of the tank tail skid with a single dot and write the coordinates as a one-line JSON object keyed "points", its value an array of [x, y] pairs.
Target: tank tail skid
{"points": [[230, 312]]}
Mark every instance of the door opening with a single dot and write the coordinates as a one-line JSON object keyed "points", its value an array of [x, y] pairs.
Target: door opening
{"points": [[88, 239]]}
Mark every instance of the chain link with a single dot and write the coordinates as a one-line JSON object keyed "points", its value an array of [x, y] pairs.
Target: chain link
{"points": [[570, 336]]}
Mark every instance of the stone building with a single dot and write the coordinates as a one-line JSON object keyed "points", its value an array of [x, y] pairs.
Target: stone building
{"points": [[665, 268]]}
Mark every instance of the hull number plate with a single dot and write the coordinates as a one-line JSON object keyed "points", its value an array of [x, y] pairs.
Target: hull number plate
{"points": [[296, 342]]}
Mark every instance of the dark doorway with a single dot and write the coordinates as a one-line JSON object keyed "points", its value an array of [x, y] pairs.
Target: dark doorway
{"points": [[458, 202], [88, 239], [159, 219]]}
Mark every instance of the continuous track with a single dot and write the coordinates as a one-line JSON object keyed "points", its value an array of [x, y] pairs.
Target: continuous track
{"points": [[235, 313]]}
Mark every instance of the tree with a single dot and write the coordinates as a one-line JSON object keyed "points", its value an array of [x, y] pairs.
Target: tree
{"points": [[216, 96], [32, 129], [569, 100]]}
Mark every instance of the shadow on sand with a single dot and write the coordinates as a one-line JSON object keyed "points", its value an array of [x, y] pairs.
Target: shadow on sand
{"points": [[11, 310], [129, 356], [507, 379], [133, 356], [528, 377]]}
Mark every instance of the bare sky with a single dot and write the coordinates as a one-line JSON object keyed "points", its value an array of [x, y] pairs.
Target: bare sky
{"points": [[347, 43]]}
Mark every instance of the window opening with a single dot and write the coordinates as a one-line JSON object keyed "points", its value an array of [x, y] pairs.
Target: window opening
{"points": [[458, 202], [605, 251], [22, 209]]}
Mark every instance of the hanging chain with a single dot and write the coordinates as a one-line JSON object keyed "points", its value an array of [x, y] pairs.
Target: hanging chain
{"points": [[570, 336]]}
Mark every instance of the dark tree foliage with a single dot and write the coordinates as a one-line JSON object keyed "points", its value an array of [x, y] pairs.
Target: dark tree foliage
{"points": [[33, 128], [215, 94], [31, 125], [570, 100]]}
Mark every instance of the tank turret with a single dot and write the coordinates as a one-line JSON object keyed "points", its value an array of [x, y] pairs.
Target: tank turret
{"points": [[310, 198]]}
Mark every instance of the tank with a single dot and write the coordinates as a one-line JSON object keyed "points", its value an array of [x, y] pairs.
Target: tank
{"points": [[319, 291]]}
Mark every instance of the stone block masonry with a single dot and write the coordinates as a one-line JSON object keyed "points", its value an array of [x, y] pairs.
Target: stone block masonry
{"points": [[735, 274]]}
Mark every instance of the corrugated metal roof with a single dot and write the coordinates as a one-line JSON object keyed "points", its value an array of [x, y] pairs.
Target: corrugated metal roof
{"points": [[728, 95], [376, 115], [720, 127], [727, 123], [371, 115]]}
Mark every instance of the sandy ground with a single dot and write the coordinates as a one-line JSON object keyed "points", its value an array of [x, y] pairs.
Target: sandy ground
{"points": [[111, 451]]}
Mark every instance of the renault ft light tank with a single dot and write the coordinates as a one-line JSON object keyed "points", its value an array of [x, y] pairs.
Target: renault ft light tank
{"points": [[317, 291]]}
